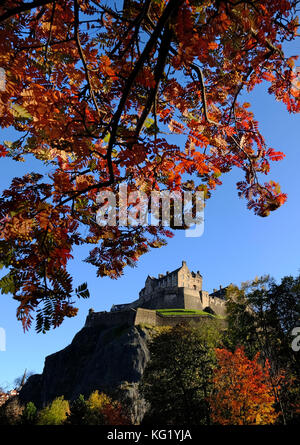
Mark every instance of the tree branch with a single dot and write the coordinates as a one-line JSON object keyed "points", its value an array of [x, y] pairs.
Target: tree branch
{"points": [[159, 69], [203, 93], [82, 56], [112, 127], [23, 8]]}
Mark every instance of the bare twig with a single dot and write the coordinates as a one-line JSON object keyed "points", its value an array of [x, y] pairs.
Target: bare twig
{"points": [[82, 56], [50, 31]]}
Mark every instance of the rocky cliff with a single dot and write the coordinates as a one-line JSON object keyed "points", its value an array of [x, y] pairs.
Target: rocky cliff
{"points": [[108, 359]]}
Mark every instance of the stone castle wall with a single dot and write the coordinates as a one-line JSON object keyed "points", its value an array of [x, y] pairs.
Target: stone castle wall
{"points": [[164, 299], [181, 297], [151, 317], [146, 316], [109, 319], [140, 316], [218, 305], [192, 299]]}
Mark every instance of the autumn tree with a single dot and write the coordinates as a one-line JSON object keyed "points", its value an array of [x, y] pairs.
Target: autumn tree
{"points": [[94, 93], [242, 392], [102, 410], [55, 413], [11, 412], [261, 316]]}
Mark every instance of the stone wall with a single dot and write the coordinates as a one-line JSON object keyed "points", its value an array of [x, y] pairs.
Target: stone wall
{"points": [[108, 319], [153, 318], [145, 316], [139, 316], [192, 300], [216, 304], [176, 298], [164, 299], [173, 320]]}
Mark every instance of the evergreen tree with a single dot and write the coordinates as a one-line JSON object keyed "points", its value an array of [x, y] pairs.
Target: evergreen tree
{"points": [[29, 415], [177, 380], [78, 412]]}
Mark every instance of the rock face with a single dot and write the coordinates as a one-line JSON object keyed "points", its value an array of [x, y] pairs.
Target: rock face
{"points": [[108, 359]]}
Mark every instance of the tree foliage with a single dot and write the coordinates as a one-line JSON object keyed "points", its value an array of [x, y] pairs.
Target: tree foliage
{"points": [[98, 409], [177, 381], [242, 392], [95, 93], [55, 413], [11, 412], [261, 317], [78, 412], [29, 414]]}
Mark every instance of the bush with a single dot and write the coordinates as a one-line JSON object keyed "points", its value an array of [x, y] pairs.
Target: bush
{"points": [[29, 415], [11, 412], [55, 413], [104, 411]]}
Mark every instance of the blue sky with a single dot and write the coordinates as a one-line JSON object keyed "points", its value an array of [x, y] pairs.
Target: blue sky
{"points": [[236, 245]]}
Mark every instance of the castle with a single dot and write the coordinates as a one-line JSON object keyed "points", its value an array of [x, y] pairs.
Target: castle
{"points": [[179, 289]]}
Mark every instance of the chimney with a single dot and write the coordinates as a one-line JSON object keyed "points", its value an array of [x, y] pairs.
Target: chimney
{"points": [[183, 263]]}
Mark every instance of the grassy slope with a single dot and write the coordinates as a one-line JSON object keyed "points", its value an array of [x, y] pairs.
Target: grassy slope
{"points": [[182, 312]]}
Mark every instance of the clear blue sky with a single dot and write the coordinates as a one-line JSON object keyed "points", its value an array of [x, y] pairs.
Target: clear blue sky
{"points": [[236, 245]]}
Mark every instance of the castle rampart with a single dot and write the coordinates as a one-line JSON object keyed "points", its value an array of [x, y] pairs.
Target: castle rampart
{"points": [[141, 316], [108, 319]]}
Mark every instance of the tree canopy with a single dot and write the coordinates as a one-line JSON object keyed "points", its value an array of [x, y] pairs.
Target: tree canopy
{"points": [[96, 94], [177, 381], [261, 317], [243, 394]]}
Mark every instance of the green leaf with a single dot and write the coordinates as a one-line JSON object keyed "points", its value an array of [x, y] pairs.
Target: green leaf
{"points": [[7, 284], [19, 111]]}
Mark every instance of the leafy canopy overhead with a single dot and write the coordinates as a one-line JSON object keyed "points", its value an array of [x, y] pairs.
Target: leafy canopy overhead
{"points": [[96, 92]]}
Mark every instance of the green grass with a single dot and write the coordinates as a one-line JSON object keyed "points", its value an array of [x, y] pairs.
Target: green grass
{"points": [[181, 312]]}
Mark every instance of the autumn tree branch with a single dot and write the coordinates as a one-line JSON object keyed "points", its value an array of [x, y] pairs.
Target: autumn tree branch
{"points": [[23, 8], [82, 56], [169, 10]]}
